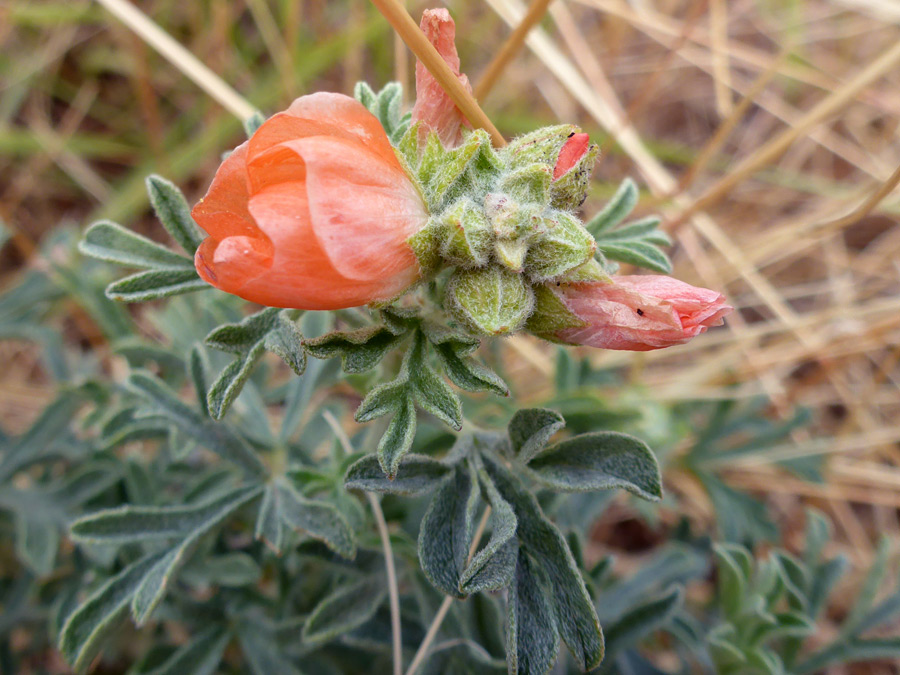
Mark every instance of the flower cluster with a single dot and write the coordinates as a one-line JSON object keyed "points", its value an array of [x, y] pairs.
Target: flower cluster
{"points": [[319, 210]]}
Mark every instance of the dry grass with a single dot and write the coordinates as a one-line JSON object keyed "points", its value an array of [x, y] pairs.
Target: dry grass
{"points": [[765, 131]]}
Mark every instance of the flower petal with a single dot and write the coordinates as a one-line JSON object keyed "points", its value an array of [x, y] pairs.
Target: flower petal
{"points": [[362, 209], [223, 210], [348, 116]]}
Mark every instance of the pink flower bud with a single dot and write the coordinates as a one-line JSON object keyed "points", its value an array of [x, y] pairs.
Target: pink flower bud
{"points": [[433, 107], [639, 313], [313, 212], [574, 149]]}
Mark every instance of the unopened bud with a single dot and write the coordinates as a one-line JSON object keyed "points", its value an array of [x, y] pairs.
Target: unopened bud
{"points": [[490, 301]]}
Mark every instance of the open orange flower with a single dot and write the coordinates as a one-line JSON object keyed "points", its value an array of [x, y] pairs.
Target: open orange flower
{"points": [[313, 212]]}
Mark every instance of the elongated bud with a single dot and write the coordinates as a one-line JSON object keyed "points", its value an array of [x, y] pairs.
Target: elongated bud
{"points": [[490, 301], [572, 173], [636, 313]]}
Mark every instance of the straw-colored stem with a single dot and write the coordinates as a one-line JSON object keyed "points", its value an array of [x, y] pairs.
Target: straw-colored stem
{"points": [[511, 47], [718, 19], [724, 131], [777, 146], [399, 18], [439, 616], [180, 57], [381, 524]]}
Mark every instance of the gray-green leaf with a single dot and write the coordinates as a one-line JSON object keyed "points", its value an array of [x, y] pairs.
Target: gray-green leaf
{"points": [[530, 429], [601, 460], [417, 475]]}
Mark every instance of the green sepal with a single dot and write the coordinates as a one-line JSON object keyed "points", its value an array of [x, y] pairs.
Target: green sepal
{"points": [[466, 234], [490, 301], [550, 313], [426, 245], [591, 271], [511, 253], [530, 183], [442, 172], [570, 190], [541, 146], [564, 245]]}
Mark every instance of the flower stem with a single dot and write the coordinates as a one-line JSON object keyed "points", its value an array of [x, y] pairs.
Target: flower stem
{"points": [[435, 626], [403, 23], [393, 589]]}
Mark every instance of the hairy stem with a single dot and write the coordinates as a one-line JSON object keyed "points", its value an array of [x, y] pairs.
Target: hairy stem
{"points": [[393, 589], [435, 626]]}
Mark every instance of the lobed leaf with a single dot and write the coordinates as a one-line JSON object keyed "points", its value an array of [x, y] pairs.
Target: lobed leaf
{"points": [[446, 532], [134, 524], [573, 608], [467, 373], [530, 430], [201, 655], [601, 460], [618, 208], [360, 350], [494, 566], [346, 608], [217, 437], [270, 519], [532, 638], [433, 394], [398, 438], [88, 626], [318, 519], [416, 475]]}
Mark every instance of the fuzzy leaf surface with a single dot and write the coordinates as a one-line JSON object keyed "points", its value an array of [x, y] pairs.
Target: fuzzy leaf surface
{"points": [[174, 213], [417, 475], [530, 430], [601, 460]]}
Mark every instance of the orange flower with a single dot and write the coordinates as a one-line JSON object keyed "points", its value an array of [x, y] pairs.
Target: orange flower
{"points": [[313, 212], [433, 107]]}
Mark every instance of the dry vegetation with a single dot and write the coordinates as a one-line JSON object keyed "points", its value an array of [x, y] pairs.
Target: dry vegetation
{"points": [[764, 130]]}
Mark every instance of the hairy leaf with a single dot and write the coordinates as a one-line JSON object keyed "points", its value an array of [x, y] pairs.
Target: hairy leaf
{"points": [[446, 532], [174, 213], [532, 640], [531, 429], [109, 241], [318, 519], [575, 614], [360, 350], [155, 284], [348, 607], [601, 460], [88, 626], [417, 475]]}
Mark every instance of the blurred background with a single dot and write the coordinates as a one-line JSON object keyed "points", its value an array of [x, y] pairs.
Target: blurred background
{"points": [[765, 132]]}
